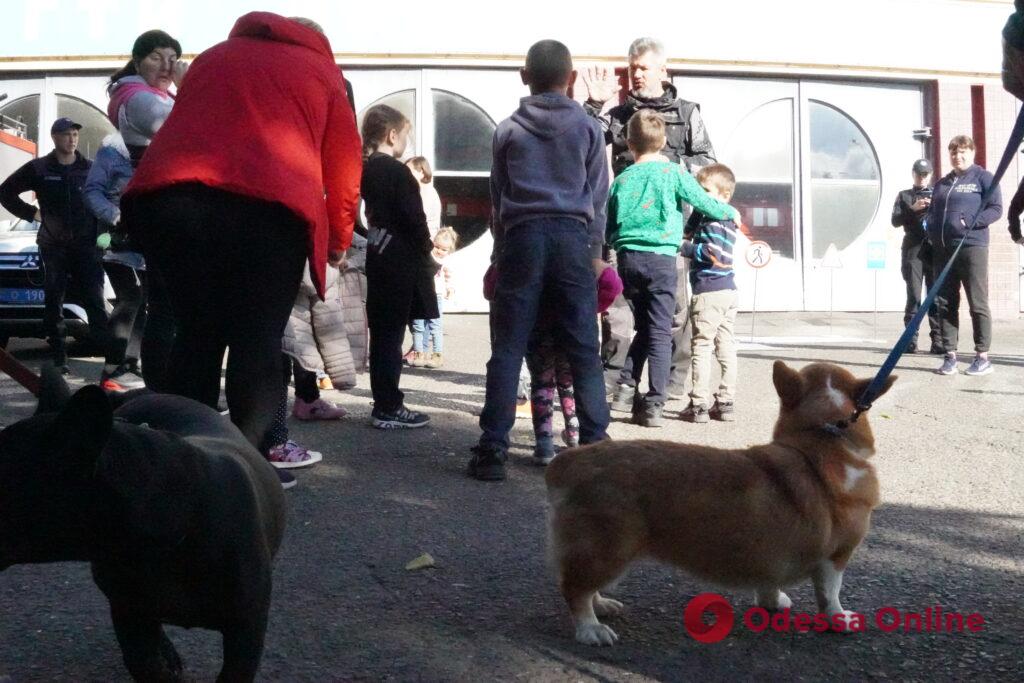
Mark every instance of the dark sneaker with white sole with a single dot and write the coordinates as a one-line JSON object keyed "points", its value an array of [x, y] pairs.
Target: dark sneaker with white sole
{"points": [[487, 463], [980, 366], [948, 366], [697, 414], [286, 478], [649, 415], [402, 418], [723, 412]]}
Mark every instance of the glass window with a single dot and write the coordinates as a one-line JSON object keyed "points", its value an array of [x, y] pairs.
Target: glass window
{"points": [[95, 124], [845, 179], [462, 134], [760, 153], [21, 117], [405, 102], [465, 205]]}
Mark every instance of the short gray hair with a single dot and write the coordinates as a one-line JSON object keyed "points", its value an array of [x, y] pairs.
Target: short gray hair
{"points": [[642, 46]]}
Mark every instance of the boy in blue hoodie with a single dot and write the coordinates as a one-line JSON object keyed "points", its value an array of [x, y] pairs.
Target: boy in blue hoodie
{"points": [[956, 201], [549, 185]]}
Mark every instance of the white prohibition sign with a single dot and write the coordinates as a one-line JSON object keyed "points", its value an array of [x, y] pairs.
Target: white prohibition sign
{"points": [[758, 254]]}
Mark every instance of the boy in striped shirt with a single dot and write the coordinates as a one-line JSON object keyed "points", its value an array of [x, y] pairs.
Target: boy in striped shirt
{"points": [[714, 302]]}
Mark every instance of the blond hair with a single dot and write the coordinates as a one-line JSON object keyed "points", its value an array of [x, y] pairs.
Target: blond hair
{"points": [[645, 132], [720, 177], [448, 234]]}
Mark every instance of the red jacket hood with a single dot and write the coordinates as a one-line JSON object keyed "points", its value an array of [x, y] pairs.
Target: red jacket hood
{"points": [[270, 26]]}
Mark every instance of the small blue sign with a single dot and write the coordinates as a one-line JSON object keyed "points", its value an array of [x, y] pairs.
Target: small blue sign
{"points": [[876, 255]]}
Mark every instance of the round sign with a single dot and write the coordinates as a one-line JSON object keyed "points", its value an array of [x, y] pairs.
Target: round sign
{"points": [[758, 254]]}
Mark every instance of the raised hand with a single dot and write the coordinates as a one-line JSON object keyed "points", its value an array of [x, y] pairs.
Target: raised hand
{"points": [[602, 83]]}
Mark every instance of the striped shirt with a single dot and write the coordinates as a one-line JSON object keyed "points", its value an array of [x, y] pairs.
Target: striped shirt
{"points": [[711, 253]]}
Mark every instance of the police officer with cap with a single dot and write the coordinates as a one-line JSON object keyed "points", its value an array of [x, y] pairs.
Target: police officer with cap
{"points": [[67, 235], [909, 213]]}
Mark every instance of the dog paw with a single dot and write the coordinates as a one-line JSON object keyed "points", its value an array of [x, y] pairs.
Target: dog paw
{"points": [[773, 600], [842, 619], [595, 634], [606, 607]]}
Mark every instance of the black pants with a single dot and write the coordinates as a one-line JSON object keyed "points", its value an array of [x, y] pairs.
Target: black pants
{"points": [[158, 335], [128, 319], [306, 387], [76, 268], [916, 266], [393, 298], [232, 266], [971, 271], [649, 285]]}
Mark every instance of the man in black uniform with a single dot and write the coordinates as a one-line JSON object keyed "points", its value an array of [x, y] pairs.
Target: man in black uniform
{"points": [[909, 212], [67, 237], [687, 143]]}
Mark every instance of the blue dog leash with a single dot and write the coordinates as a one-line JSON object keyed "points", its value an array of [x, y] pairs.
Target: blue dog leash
{"points": [[875, 387]]}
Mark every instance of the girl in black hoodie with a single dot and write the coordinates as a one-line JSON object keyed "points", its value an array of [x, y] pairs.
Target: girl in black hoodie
{"points": [[399, 270]]}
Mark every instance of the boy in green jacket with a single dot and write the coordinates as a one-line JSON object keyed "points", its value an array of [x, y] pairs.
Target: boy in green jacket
{"points": [[645, 227]]}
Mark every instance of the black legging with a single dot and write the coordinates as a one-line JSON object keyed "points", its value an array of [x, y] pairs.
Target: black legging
{"points": [[128, 318], [232, 265]]}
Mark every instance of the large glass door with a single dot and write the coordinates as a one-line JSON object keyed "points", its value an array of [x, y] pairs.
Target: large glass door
{"points": [[818, 165], [857, 148], [753, 124], [454, 114]]}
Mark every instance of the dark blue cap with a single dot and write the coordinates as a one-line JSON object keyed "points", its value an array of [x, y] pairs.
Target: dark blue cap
{"points": [[63, 125]]}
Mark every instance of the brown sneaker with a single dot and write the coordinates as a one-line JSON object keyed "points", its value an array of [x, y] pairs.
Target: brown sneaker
{"points": [[419, 359], [435, 360]]}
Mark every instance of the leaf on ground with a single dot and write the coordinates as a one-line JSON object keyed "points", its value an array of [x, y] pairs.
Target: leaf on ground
{"points": [[424, 561]]}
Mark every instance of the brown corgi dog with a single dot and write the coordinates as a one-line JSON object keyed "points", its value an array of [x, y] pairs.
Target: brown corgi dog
{"points": [[760, 518]]}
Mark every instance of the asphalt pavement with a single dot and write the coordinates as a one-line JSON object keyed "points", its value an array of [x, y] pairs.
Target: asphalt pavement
{"points": [[948, 533]]}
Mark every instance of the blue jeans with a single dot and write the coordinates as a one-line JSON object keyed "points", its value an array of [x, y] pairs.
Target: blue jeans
{"points": [[649, 285], [550, 258], [425, 330]]}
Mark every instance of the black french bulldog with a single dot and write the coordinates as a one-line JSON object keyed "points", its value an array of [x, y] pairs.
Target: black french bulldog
{"points": [[179, 515]]}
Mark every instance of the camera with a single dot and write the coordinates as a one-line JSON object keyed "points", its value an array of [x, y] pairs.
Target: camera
{"points": [[925, 193]]}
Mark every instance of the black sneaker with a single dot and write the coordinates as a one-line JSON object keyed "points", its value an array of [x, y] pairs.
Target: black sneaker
{"points": [[649, 415], [286, 478], [624, 398], [401, 418], [697, 414], [912, 347], [723, 412], [487, 463]]}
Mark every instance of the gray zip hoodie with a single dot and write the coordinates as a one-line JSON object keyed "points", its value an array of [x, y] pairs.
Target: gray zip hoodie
{"points": [[549, 162]]}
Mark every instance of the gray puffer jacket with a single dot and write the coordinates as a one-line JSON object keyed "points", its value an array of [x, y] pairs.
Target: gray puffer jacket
{"points": [[317, 334]]}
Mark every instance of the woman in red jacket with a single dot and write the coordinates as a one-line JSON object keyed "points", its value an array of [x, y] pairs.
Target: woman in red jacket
{"points": [[255, 172]]}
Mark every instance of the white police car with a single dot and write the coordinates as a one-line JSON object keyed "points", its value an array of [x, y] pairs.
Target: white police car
{"points": [[21, 287]]}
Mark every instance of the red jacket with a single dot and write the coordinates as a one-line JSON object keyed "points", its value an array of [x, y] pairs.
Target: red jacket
{"points": [[265, 114]]}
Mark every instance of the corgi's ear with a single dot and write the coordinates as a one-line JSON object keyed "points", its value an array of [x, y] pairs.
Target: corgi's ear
{"points": [[789, 384], [862, 384], [53, 391], [85, 423]]}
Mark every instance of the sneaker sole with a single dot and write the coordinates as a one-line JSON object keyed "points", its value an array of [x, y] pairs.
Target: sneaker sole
{"points": [[314, 458], [285, 485], [393, 424], [704, 419], [979, 374], [488, 475], [316, 418], [945, 373]]}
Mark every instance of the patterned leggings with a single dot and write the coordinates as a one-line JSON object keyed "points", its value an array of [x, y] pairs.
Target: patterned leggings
{"points": [[550, 372], [305, 388]]}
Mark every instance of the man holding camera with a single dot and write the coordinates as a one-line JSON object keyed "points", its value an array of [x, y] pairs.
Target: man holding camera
{"points": [[909, 213]]}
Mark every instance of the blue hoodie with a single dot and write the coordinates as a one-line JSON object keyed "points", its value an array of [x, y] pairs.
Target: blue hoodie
{"points": [[549, 161], [955, 202]]}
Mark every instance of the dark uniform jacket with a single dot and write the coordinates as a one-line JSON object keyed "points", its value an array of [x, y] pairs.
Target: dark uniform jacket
{"points": [[687, 140], [911, 221], [66, 220]]}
